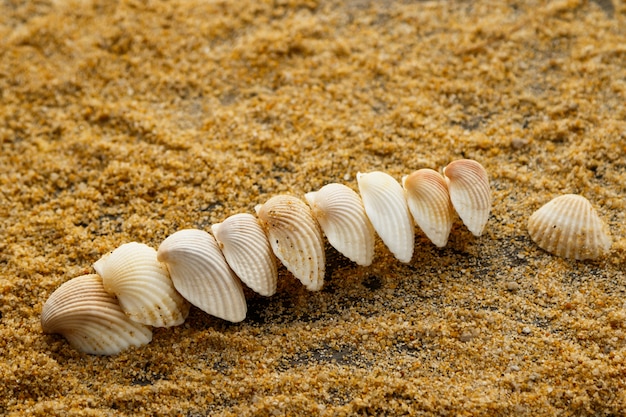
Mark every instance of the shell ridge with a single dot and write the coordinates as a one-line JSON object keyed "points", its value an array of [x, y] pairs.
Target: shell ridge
{"points": [[385, 204], [142, 285], [295, 238], [342, 218], [429, 203], [201, 274], [212, 288], [300, 241], [94, 322], [470, 193], [569, 226]]}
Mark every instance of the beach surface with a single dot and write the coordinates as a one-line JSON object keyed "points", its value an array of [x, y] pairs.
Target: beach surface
{"points": [[127, 121]]}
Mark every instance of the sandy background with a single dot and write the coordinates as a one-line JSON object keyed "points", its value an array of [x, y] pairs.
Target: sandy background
{"points": [[126, 121]]}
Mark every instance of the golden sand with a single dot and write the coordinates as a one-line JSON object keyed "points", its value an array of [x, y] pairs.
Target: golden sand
{"points": [[126, 121]]}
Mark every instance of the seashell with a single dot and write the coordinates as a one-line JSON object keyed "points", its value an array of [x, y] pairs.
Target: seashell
{"points": [[142, 285], [295, 238], [247, 250], [569, 226], [340, 212], [200, 273], [91, 319], [429, 203], [468, 185], [386, 207]]}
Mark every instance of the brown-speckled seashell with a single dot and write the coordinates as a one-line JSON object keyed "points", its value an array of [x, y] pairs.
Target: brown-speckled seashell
{"points": [[569, 226], [295, 238], [429, 203], [470, 193], [200, 273], [142, 285], [340, 212], [91, 319]]}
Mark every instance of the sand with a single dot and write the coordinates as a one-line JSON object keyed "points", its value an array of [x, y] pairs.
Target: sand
{"points": [[127, 121]]}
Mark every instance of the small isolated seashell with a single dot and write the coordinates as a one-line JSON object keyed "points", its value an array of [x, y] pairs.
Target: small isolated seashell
{"points": [[570, 227], [295, 238], [91, 319], [429, 203], [340, 212], [247, 250], [387, 209], [200, 273], [468, 185], [142, 285]]}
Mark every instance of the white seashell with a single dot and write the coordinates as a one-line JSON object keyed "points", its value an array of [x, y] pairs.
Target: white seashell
{"points": [[142, 285], [295, 238], [387, 209], [247, 250], [569, 226], [468, 185], [200, 273], [429, 203], [340, 212], [91, 319]]}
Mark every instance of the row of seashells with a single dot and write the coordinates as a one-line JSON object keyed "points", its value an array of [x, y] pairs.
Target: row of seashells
{"points": [[136, 286]]}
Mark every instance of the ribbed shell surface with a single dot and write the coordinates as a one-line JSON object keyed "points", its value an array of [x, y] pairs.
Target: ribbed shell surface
{"points": [[569, 226], [142, 285], [470, 193], [91, 319], [248, 252], [341, 215], [200, 273], [295, 238], [429, 203], [386, 207]]}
